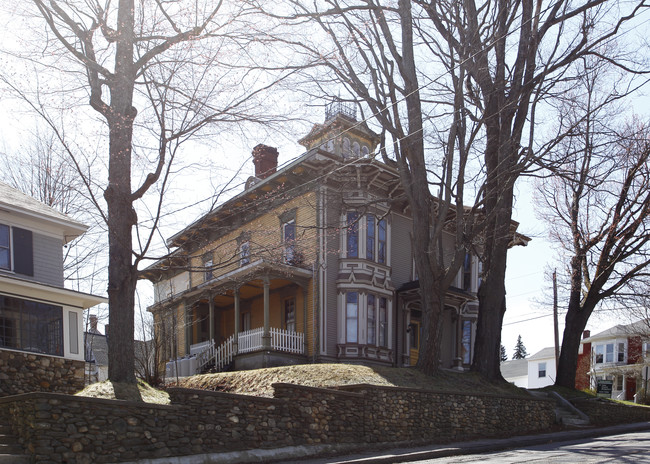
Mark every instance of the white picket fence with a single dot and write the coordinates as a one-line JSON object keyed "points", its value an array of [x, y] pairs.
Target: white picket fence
{"points": [[250, 340]]}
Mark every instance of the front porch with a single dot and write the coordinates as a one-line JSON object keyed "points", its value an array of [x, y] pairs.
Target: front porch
{"points": [[254, 317]]}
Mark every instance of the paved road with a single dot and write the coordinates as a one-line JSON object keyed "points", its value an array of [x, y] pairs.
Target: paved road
{"points": [[625, 448]]}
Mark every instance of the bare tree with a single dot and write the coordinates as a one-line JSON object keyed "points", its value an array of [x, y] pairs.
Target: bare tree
{"points": [[156, 73], [597, 202], [513, 54]]}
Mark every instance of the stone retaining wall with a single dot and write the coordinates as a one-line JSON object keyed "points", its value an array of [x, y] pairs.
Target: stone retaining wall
{"points": [[606, 412], [413, 415], [22, 372], [62, 428]]}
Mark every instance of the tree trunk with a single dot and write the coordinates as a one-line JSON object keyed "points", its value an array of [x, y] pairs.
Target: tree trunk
{"points": [[122, 275], [576, 321]]}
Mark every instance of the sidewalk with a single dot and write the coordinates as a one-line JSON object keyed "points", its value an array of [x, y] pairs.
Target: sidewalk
{"points": [[382, 454]]}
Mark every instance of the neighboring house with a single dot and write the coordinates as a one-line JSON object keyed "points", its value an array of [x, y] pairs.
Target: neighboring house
{"points": [[515, 371], [541, 368], [312, 262], [537, 371], [96, 353], [617, 354], [41, 322]]}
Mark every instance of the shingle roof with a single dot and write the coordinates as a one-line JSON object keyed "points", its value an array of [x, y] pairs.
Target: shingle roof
{"points": [[514, 368], [544, 353], [15, 200], [636, 328]]}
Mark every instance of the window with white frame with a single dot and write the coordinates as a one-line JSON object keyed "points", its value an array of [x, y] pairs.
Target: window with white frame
{"points": [[16, 250], [352, 245], [244, 253], [541, 370], [618, 382], [374, 239], [467, 273], [372, 320], [31, 326], [352, 317], [290, 314], [609, 353], [370, 237], [207, 266], [599, 354], [620, 353], [289, 240]]}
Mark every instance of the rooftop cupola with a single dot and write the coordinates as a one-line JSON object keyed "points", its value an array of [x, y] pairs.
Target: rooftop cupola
{"points": [[341, 134]]}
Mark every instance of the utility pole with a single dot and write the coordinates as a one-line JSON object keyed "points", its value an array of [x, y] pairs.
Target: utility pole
{"points": [[557, 334]]}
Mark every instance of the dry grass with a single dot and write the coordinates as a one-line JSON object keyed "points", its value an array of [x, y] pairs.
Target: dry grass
{"points": [[121, 391], [258, 382]]}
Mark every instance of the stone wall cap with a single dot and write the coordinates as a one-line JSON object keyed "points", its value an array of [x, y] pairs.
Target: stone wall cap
{"points": [[335, 390], [197, 391], [47, 396]]}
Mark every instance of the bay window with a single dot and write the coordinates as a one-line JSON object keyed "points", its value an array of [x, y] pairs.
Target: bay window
{"points": [[370, 237], [353, 235], [352, 317]]}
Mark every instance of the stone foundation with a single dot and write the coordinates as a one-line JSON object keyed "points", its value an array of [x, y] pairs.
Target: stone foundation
{"points": [[22, 372]]}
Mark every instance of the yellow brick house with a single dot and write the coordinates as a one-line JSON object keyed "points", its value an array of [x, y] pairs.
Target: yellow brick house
{"points": [[312, 262]]}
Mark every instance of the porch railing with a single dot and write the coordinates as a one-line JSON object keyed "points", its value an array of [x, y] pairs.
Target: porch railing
{"points": [[286, 340], [222, 355], [250, 340]]}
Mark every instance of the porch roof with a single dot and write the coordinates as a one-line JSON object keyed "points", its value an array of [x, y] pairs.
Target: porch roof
{"points": [[244, 277]]}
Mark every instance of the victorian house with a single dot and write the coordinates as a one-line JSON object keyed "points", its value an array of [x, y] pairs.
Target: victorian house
{"points": [[312, 262]]}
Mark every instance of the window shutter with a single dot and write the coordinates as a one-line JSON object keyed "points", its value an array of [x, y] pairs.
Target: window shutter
{"points": [[23, 252]]}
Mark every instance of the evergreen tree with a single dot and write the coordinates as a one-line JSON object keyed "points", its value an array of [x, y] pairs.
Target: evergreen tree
{"points": [[504, 356], [520, 349]]}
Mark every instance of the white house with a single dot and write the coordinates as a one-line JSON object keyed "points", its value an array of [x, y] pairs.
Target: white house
{"points": [[537, 371], [41, 322]]}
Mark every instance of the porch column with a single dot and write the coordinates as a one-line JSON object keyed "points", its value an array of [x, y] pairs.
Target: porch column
{"points": [[211, 306], [237, 321], [266, 336], [187, 316], [304, 318]]}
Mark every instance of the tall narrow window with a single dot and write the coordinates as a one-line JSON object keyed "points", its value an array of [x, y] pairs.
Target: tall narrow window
{"points": [[372, 321], [207, 266], [467, 342], [73, 326], [353, 235], [609, 353], [244, 253], [621, 352], [370, 237], [600, 350], [352, 317], [290, 314], [467, 272], [381, 242], [5, 253], [480, 275], [289, 239], [383, 323]]}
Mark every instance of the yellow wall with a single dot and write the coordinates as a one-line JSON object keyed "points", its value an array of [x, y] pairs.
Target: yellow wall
{"points": [[265, 238]]}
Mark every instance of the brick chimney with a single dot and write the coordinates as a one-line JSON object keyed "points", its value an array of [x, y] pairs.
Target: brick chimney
{"points": [[265, 159], [586, 334], [92, 319]]}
